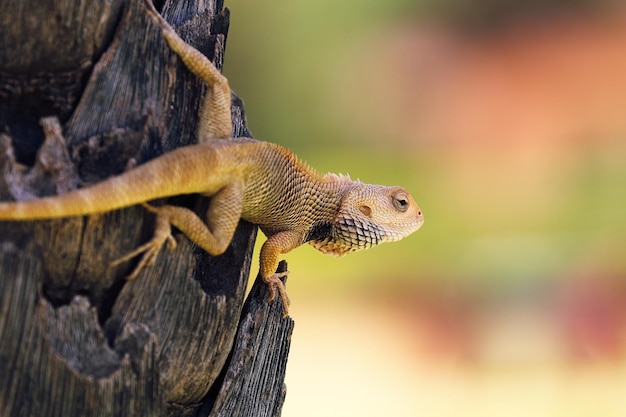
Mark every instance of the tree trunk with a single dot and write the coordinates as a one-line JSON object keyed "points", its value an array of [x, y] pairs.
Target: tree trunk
{"points": [[89, 90]]}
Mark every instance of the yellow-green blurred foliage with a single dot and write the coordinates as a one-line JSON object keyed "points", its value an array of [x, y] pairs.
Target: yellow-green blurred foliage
{"points": [[507, 122]]}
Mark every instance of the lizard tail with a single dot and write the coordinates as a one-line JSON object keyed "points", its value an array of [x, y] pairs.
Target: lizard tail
{"points": [[161, 177], [94, 199]]}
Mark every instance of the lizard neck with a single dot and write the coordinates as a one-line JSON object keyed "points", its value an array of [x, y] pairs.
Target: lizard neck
{"points": [[301, 199]]}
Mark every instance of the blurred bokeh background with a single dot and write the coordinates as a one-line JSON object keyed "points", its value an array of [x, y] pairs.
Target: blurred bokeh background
{"points": [[507, 121]]}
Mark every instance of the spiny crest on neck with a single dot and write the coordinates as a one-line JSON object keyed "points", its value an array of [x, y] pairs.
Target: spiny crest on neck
{"points": [[339, 178], [295, 160]]}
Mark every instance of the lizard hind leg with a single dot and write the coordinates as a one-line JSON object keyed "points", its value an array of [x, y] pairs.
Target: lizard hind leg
{"points": [[150, 250], [214, 237], [215, 119]]}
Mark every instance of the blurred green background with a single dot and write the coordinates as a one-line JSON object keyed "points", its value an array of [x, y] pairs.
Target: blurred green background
{"points": [[506, 120]]}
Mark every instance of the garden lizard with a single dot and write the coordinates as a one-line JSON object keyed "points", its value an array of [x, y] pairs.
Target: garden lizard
{"points": [[260, 182]]}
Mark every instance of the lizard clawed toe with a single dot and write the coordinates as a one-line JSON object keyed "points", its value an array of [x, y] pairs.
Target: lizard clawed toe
{"points": [[150, 250], [273, 282]]}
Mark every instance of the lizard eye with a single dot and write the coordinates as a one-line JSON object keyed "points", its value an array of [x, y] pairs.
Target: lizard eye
{"points": [[401, 202]]}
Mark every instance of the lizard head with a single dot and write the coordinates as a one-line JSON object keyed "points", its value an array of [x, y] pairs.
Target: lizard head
{"points": [[370, 215]]}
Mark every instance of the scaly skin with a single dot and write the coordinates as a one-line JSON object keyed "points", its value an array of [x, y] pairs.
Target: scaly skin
{"points": [[260, 182]]}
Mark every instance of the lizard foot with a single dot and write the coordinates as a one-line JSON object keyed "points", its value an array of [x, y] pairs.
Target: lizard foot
{"points": [[150, 250], [273, 283]]}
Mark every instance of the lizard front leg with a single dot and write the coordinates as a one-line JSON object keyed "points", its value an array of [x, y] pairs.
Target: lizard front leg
{"points": [[276, 245], [214, 237]]}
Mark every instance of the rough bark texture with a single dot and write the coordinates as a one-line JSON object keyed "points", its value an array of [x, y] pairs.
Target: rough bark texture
{"points": [[88, 90]]}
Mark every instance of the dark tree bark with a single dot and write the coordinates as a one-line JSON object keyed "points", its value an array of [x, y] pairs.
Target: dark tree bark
{"points": [[88, 90]]}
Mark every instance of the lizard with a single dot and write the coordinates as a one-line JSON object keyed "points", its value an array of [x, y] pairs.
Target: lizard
{"points": [[261, 182]]}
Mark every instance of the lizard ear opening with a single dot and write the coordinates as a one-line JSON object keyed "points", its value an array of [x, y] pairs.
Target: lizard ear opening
{"points": [[366, 210]]}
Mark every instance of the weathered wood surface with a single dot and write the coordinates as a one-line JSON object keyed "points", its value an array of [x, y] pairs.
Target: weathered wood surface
{"points": [[88, 90]]}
